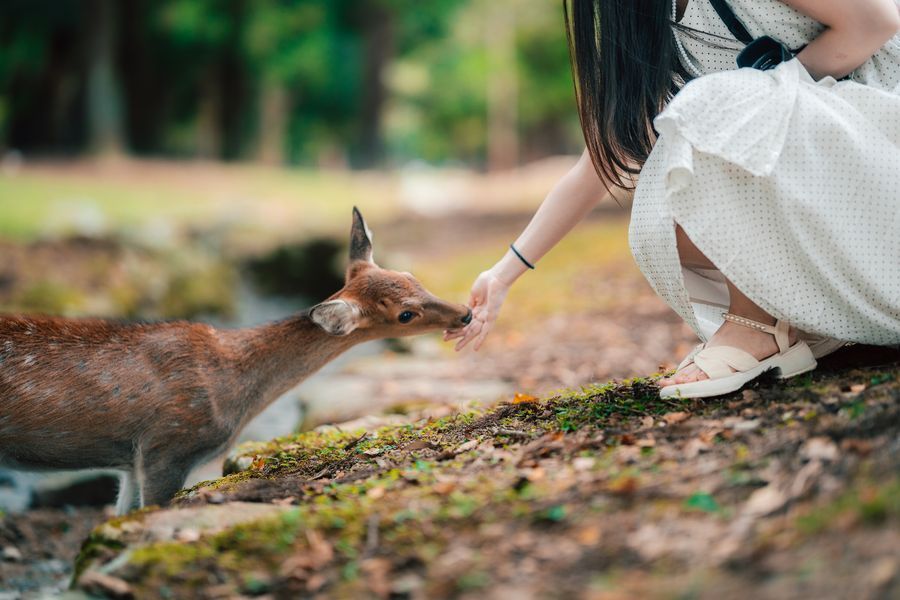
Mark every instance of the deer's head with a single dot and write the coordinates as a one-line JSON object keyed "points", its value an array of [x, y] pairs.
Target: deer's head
{"points": [[380, 303]]}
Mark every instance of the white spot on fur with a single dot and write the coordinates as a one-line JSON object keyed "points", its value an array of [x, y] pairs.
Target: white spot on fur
{"points": [[29, 360]]}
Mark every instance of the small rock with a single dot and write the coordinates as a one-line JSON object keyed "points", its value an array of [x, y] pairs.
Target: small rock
{"points": [[11, 554], [646, 422], [406, 584], [748, 425], [583, 463], [105, 585], [819, 448], [187, 535], [883, 572], [750, 396]]}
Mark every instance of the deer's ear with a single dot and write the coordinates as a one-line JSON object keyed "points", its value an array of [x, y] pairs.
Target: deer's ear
{"points": [[336, 317], [360, 239]]}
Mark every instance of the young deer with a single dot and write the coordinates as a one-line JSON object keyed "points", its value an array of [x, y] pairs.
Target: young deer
{"points": [[154, 400]]}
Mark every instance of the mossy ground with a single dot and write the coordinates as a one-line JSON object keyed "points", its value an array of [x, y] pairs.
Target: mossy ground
{"points": [[604, 490]]}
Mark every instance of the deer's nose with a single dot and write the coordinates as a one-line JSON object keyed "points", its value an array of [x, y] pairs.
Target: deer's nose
{"points": [[467, 318]]}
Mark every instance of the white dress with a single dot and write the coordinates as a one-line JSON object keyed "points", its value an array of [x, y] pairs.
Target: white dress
{"points": [[790, 187]]}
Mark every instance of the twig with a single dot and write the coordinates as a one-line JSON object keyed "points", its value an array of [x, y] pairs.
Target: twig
{"points": [[511, 432], [352, 444], [372, 533]]}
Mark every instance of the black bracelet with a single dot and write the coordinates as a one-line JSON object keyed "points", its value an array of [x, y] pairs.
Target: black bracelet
{"points": [[522, 258]]}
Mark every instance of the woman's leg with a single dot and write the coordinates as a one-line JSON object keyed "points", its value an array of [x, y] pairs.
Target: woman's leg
{"points": [[760, 345]]}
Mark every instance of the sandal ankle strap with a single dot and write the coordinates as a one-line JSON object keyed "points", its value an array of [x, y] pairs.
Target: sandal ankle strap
{"points": [[779, 330]]}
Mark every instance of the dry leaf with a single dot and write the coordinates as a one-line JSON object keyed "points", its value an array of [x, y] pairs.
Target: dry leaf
{"points": [[588, 536], [521, 398], [676, 417]]}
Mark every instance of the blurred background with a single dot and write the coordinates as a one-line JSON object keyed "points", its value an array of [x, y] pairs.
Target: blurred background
{"points": [[199, 158]]}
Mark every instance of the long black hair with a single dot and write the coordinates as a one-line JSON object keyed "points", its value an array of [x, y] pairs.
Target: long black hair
{"points": [[625, 66]]}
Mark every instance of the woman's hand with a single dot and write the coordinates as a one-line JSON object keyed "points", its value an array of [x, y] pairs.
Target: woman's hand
{"points": [[488, 294]]}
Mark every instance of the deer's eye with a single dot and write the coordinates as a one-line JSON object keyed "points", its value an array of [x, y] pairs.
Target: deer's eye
{"points": [[406, 316]]}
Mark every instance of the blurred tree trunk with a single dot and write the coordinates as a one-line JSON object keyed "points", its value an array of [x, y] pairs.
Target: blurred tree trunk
{"points": [[104, 109], [502, 87], [209, 117], [378, 47], [273, 122]]}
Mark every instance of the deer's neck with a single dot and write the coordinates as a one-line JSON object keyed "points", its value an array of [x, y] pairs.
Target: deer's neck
{"points": [[273, 358]]}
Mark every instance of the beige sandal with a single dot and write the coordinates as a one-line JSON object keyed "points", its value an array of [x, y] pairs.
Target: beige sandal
{"points": [[730, 368]]}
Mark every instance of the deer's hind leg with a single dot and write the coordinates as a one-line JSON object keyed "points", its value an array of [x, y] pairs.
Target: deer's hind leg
{"points": [[160, 478], [127, 497]]}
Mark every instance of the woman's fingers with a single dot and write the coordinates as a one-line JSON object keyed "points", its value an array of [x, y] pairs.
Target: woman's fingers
{"points": [[452, 334], [470, 332], [480, 339]]}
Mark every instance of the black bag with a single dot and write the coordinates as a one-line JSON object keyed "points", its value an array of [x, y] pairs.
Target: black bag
{"points": [[762, 53]]}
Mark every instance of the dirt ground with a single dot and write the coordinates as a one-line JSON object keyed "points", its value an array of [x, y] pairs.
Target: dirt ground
{"points": [[783, 492]]}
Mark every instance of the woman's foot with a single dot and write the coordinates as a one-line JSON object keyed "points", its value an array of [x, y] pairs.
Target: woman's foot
{"points": [[758, 344]]}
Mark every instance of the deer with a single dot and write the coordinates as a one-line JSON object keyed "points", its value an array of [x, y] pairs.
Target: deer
{"points": [[154, 400]]}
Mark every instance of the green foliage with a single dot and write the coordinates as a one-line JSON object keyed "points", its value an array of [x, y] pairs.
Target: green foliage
{"points": [[319, 77], [703, 502]]}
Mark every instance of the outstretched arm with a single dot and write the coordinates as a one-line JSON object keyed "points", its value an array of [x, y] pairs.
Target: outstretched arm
{"points": [[855, 31], [568, 202]]}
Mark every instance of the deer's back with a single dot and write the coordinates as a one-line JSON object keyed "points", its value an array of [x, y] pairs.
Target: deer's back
{"points": [[78, 393]]}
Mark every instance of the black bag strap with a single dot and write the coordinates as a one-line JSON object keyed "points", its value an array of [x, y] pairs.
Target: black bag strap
{"points": [[731, 21]]}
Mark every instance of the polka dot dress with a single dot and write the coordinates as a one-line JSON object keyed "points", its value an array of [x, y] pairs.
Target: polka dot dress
{"points": [[790, 187]]}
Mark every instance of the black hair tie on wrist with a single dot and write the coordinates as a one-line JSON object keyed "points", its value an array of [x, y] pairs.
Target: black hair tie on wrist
{"points": [[522, 258]]}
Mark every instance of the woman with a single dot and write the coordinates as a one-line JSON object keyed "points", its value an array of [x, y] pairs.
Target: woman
{"points": [[773, 196]]}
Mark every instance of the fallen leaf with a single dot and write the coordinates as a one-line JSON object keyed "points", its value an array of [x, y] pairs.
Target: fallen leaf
{"points": [[588, 536], [857, 388], [376, 492], [444, 487], [623, 485], [676, 417], [373, 451], [702, 501], [520, 398], [466, 446], [861, 447], [694, 447], [765, 501]]}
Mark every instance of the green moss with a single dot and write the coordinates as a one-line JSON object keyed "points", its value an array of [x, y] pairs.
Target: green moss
{"points": [[50, 297]]}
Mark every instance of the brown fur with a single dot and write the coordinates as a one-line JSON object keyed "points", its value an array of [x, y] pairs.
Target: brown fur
{"points": [[154, 400]]}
